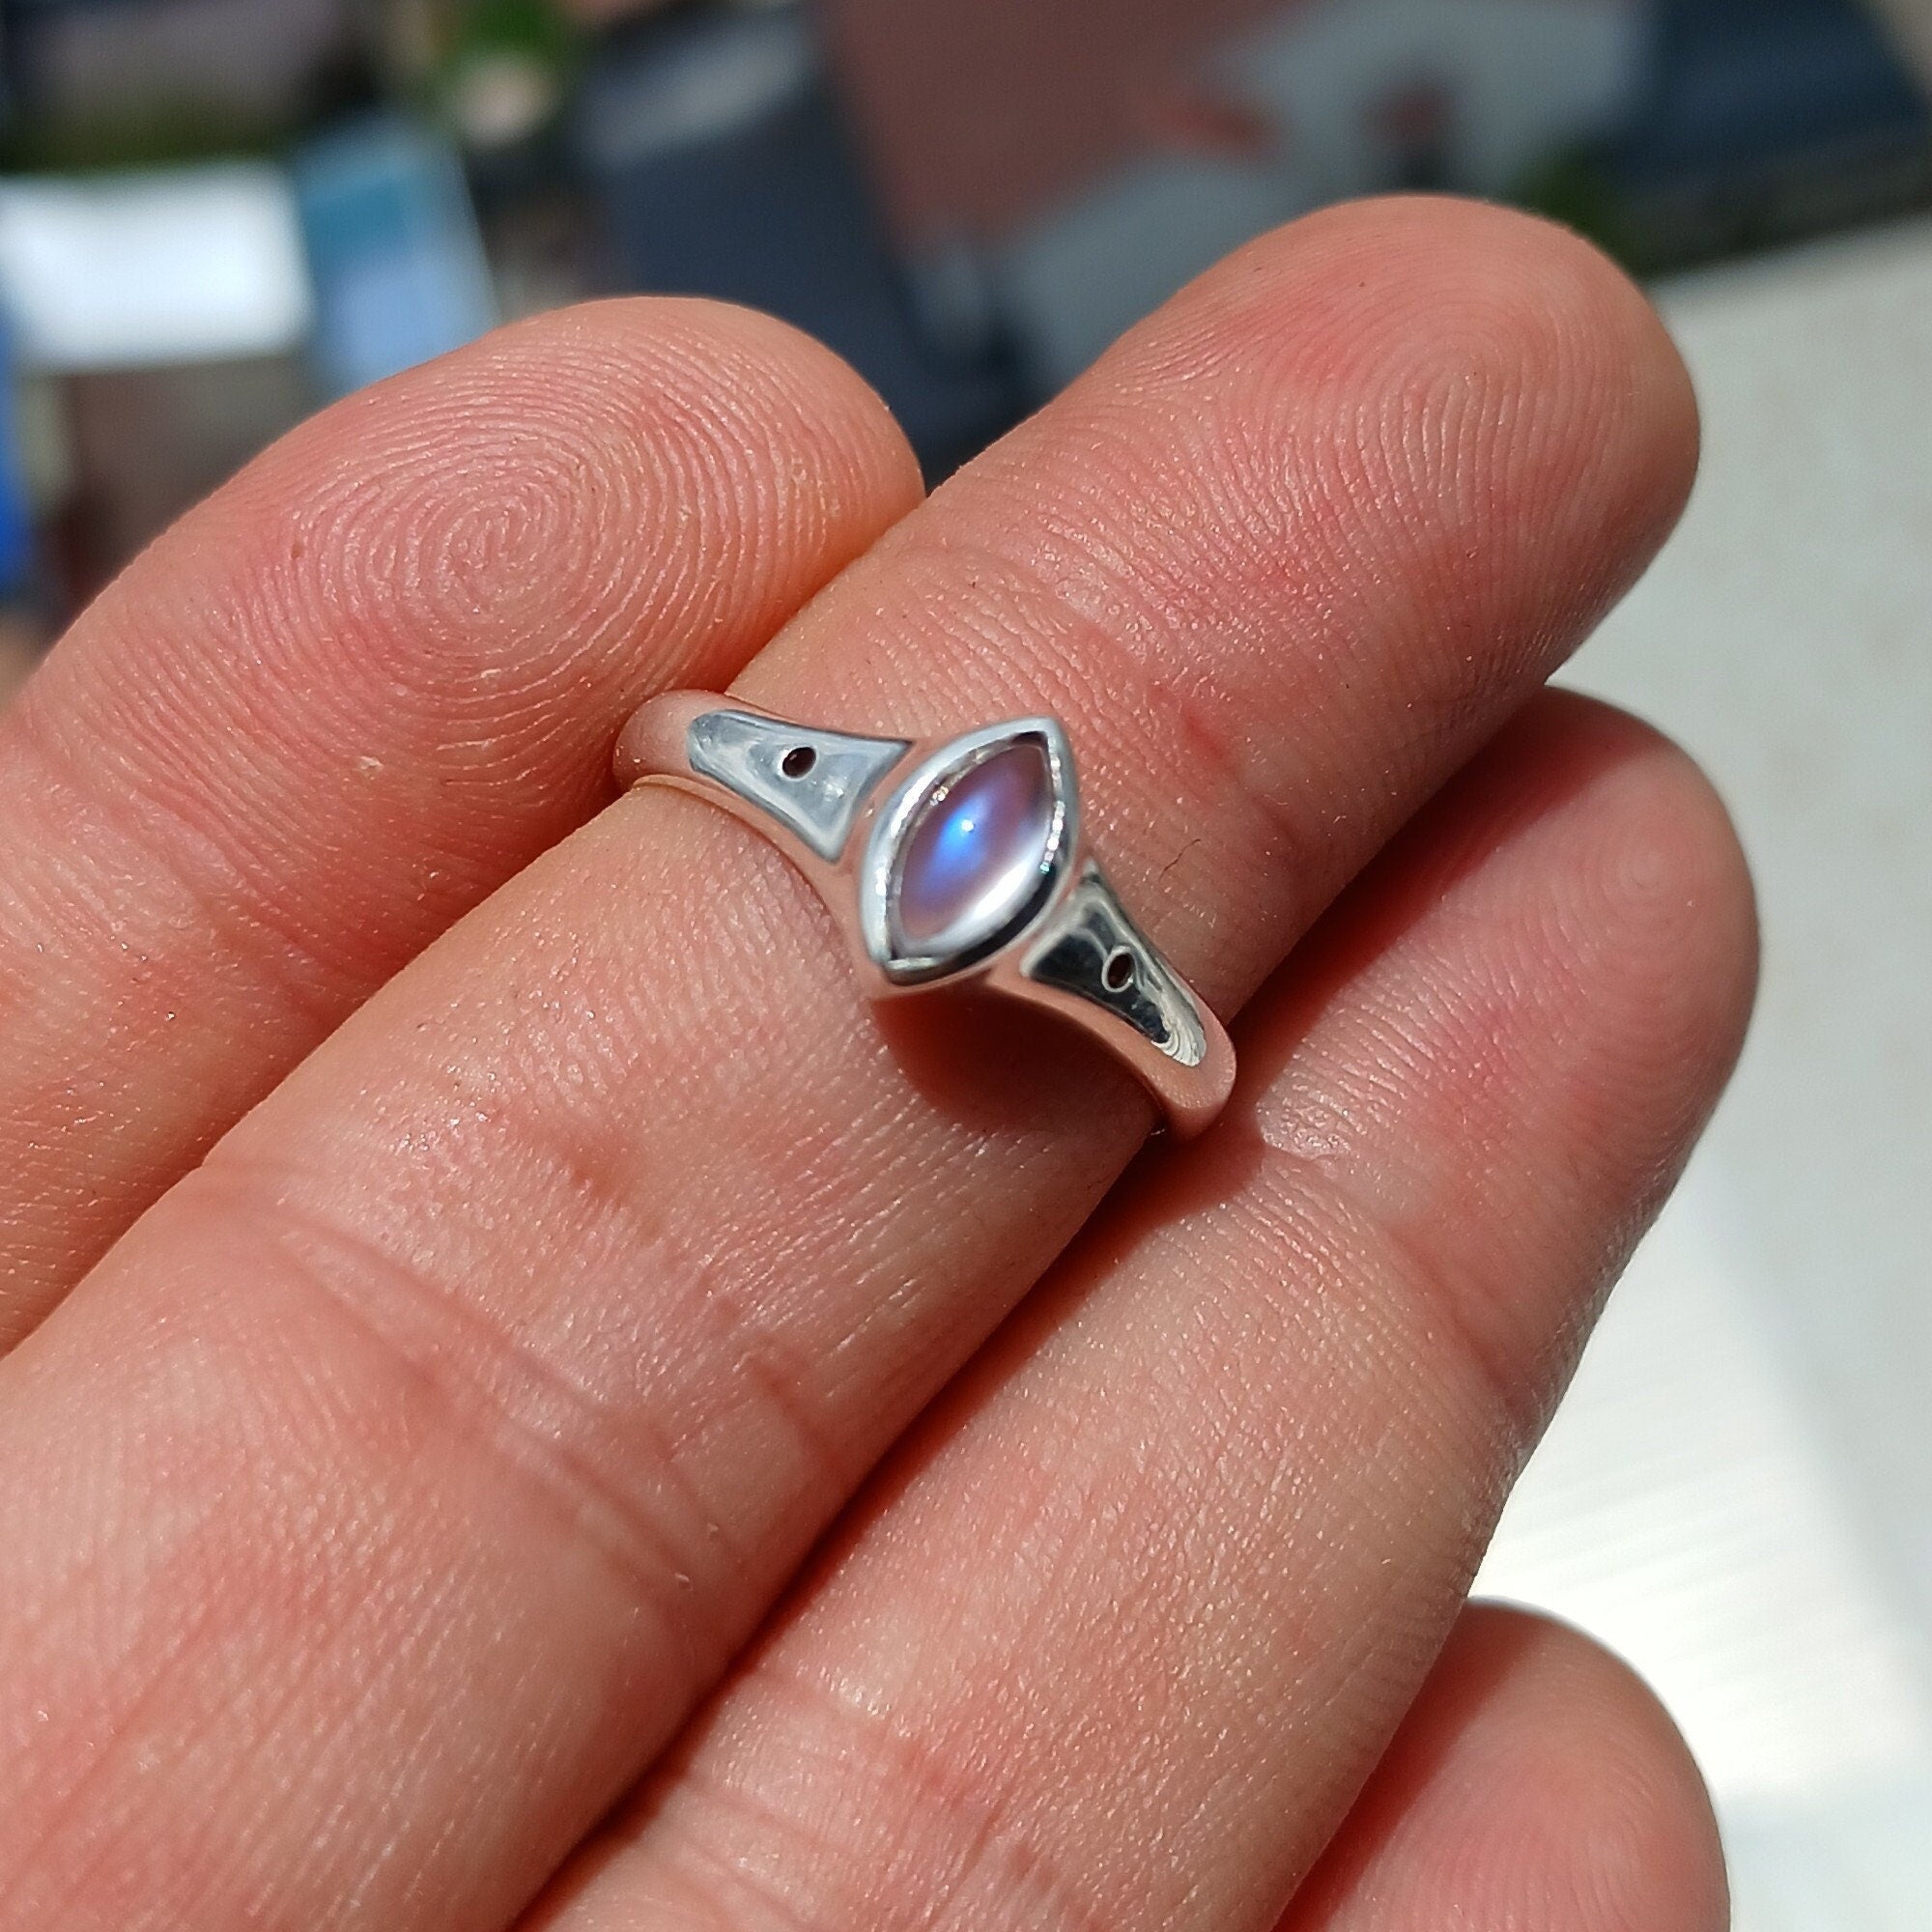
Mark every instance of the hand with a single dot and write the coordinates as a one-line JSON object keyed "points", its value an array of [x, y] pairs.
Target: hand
{"points": [[438, 1455]]}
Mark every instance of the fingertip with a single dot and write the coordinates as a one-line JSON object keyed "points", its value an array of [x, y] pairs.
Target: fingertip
{"points": [[1608, 1806], [437, 600], [1495, 288], [510, 509], [1627, 890], [1538, 1784], [1505, 395], [768, 376]]}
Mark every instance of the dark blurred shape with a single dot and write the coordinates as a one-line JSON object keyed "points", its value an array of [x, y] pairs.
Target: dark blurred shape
{"points": [[146, 443], [713, 145], [1417, 124], [16, 515], [1743, 83], [1762, 121], [116, 82], [607, 13], [21, 642]]}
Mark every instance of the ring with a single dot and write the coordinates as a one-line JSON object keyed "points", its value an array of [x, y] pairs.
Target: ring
{"points": [[946, 861]]}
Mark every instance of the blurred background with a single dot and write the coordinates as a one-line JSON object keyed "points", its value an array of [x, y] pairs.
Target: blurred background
{"points": [[217, 214]]}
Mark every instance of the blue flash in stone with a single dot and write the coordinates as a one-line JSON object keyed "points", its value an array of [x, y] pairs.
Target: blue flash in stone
{"points": [[974, 860]]}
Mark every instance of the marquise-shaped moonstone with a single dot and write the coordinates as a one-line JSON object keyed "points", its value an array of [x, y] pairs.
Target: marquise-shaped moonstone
{"points": [[974, 856]]}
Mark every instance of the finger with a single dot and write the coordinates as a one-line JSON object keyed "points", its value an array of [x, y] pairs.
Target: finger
{"points": [[531, 1331], [359, 688], [1117, 1642], [1536, 1786]]}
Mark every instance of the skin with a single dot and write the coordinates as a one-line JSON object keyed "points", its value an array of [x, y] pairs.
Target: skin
{"points": [[533, 1405]]}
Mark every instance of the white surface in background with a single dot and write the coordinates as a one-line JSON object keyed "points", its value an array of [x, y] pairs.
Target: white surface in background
{"points": [[1686, 1509], [1739, 1496], [188, 265]]}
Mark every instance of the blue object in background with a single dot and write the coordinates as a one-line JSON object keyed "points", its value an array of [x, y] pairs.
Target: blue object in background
{"points": [[399, 270], [18, 554]]}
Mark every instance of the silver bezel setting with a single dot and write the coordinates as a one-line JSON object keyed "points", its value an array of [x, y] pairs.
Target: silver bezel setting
{"points": [[924, 785]]}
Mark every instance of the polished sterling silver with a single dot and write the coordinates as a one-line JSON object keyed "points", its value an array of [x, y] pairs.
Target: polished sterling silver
{"points": [[885, 827]]}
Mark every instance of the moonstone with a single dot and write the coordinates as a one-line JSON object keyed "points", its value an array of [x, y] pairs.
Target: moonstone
{"points": [[974, 857]]}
